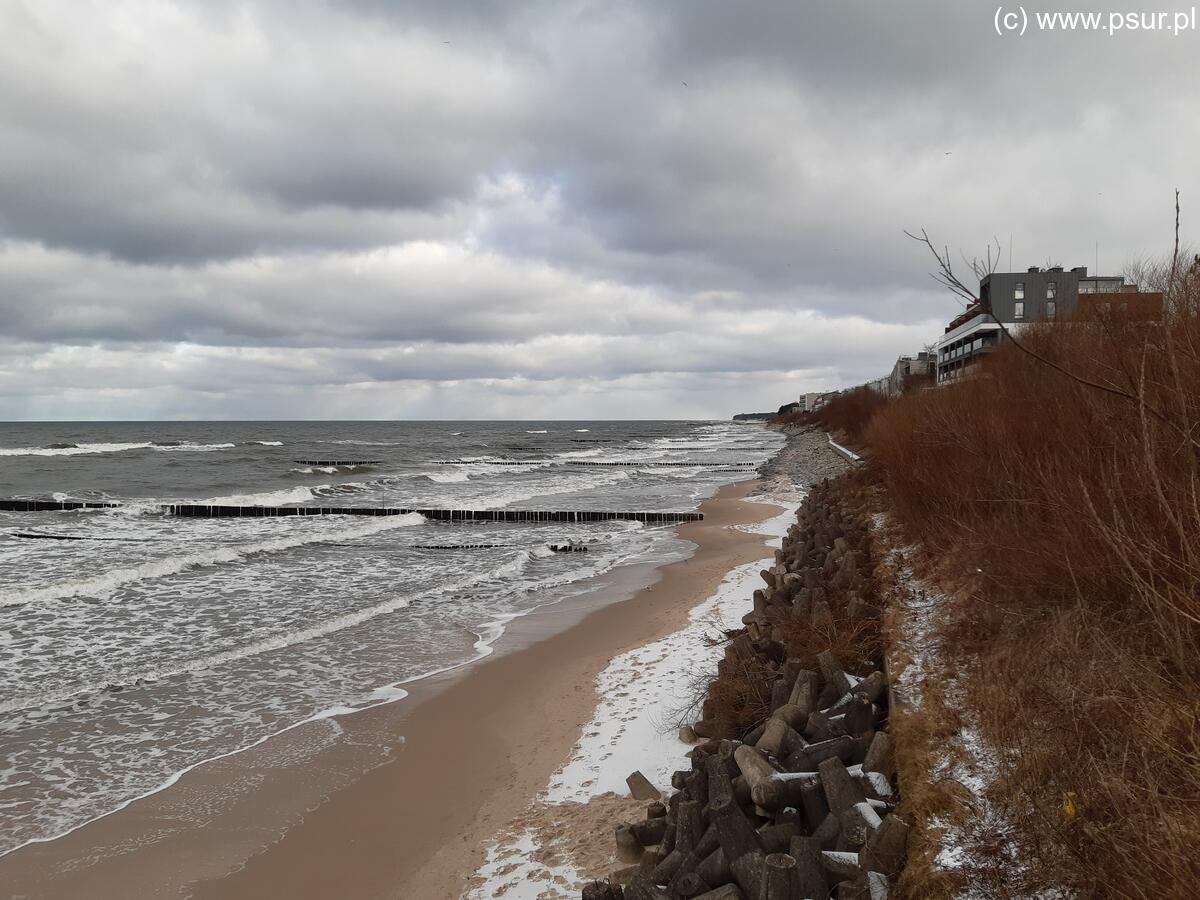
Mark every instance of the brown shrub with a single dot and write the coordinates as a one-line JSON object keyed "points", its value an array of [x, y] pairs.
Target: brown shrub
{"points": [[1078, 509], [740, 697]]}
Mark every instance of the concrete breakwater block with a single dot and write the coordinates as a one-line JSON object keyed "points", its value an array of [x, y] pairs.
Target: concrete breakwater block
{"points": [[641, 788]]}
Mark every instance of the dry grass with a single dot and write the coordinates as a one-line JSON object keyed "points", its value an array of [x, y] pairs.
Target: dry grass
{"points": [[855, 643], [1080, 509]]}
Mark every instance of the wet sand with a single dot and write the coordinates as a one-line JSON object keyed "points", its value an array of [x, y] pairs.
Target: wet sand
{"points": [[399, 801]]}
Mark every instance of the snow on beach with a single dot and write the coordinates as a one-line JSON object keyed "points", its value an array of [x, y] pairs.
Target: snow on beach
{"points": [[965, 757], [567, 833]]}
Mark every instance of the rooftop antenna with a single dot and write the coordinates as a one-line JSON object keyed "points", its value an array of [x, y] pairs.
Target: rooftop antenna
{"points": [[1010, 251], [1097, 258]]}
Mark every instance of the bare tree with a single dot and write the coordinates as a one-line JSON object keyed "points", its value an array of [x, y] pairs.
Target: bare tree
{"points": [[945, 275]]}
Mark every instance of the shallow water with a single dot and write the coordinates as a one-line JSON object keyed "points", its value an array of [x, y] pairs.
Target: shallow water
{"points": [[144, 644]]}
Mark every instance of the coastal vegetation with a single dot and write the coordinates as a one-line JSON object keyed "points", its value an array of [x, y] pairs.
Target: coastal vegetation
{"points": [[1057, 496]]}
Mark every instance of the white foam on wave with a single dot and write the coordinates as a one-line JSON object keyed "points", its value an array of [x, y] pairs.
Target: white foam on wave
{"points": [[86, 449], [104, 583], [486, 633], [447, 477], [543, 431], [76, 450], [191, 448], [582, 430], [264, 645], [589, 480], [355, 443], [386, 694], [266, 498], [135, 508]]}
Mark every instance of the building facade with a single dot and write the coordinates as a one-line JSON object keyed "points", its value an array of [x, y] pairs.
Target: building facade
{"points": [[918, 367], [809, 402], [1015, 299]]}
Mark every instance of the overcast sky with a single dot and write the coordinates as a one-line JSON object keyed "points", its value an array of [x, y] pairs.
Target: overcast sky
{"points": [[554, 209]]}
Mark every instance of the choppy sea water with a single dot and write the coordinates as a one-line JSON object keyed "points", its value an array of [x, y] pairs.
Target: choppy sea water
{"points": [[135, 646]]}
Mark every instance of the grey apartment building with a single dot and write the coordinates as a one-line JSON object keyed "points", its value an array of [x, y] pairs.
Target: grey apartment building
{"points": [[1014, 298]]}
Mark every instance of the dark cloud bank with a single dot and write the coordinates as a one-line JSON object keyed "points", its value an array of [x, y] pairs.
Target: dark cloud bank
{"points": [[490, 210]]}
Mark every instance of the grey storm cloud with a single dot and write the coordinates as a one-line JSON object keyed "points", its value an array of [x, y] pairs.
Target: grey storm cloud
{"points": [[438, 207]]}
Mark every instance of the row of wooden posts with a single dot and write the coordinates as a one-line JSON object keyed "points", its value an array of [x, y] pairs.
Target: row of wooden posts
{"points": [[596, 465], [210, 511]]}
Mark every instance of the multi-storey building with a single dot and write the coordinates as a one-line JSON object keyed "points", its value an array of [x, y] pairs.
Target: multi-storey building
{"points": [[1014, 299], [907, 370]]}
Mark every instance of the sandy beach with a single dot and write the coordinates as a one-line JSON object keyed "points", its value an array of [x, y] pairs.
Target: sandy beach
{"points": [[318, 813]]}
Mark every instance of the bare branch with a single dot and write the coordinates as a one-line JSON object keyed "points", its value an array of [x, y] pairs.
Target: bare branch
{"points": [[945, 271]]}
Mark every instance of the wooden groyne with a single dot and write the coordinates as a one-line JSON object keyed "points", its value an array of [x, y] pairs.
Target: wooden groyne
{"points": [[586, 464], [458, 546], [663, 465], [52, 505], [336, 462], [204, 511], [210, 511]]}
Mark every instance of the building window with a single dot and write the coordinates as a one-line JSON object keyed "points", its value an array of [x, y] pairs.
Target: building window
{"points": [[1051, 309], [1051, 290], [1019, 291], [1019, 309]]}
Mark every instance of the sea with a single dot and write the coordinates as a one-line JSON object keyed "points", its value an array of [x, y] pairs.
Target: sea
{"points": [[135, 646]]}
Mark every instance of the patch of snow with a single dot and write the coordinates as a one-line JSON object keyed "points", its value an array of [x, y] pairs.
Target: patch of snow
{"points": [[512, 873], [641, 692], [966, 758]]}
